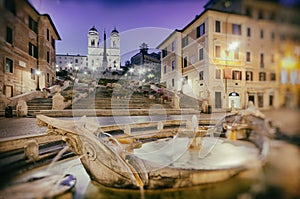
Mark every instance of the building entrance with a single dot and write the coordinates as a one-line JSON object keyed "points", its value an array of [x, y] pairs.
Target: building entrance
{"points": [[234, 100]]}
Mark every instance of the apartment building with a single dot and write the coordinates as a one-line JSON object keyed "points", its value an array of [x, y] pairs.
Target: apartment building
{"points": [[71, 62], [27, 49], [234, 53]]}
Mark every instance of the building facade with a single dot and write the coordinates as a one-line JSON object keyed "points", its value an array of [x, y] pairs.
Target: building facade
{"points": [[234, 53], [146, 64], [103, 56], [27, 50], [71, 62]]}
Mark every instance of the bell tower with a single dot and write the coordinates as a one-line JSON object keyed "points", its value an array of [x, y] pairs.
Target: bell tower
{"points": [[93, 38]]}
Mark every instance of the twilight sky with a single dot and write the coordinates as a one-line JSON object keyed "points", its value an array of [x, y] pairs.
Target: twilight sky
{"points": [[138, 21]]}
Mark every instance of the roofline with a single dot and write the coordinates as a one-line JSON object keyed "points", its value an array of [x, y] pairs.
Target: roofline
{"points": [[46, 15], [206, 10], [71, 55], [52, 24]]}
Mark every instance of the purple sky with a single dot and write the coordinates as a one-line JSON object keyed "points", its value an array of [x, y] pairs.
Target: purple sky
{"points": [[132, 18]]}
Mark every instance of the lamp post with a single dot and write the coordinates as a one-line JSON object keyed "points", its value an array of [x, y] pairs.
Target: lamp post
{"points": [[232, 47], [38, 73]]}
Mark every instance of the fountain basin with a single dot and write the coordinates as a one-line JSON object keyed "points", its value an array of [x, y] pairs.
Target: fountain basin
{"points": [[182, 160]]}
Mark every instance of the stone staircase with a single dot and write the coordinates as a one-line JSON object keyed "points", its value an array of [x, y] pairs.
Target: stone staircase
{"points": [[103, 99], [38, 104]]}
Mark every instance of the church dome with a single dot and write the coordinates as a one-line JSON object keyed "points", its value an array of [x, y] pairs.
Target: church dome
{"points": [[115, 31], [93, 30]]}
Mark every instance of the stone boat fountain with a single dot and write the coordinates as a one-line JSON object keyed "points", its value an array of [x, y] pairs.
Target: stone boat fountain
{"points": [[165, 157]]}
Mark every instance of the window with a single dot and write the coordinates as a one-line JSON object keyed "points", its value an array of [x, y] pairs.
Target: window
{"points": [[200, 54], [48, 34], [48, 77], [218, 26], [9, 65], [33, 25], [271, 99], [237, 75], [272, 76], [33, 50], [10, 5], [173, 64], [185, 62], [164, 52], [218, 51], [76, 61], [261, 33], [9, 35], [173, 82], [218, 100], [201, 77], [272, 16], [260, 14], [248, 56], [165, 69], [272, 58], [48, 57], [185, 41], [93, 42], [248, 12], [249, 76], [248, 32], [262, 76], [218, 73], [236, 53], [32, 73], [53, 42], [173, 46], [261, 60], [236, 29], [260, 100], [272, 36], [192, 59], [200, 30]]}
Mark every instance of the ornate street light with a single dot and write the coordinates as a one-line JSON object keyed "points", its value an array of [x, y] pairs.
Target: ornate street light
{"points": [[38, 73]]}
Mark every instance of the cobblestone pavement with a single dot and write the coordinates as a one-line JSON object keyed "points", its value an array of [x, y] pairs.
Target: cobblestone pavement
{"points": [[287, 119]]}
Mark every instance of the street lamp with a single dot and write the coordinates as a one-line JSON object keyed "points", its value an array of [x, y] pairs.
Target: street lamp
{"points": [[38, 73], [232, 47]]}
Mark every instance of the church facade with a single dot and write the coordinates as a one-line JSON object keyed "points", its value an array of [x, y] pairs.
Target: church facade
{"points": [[103, 55]]}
